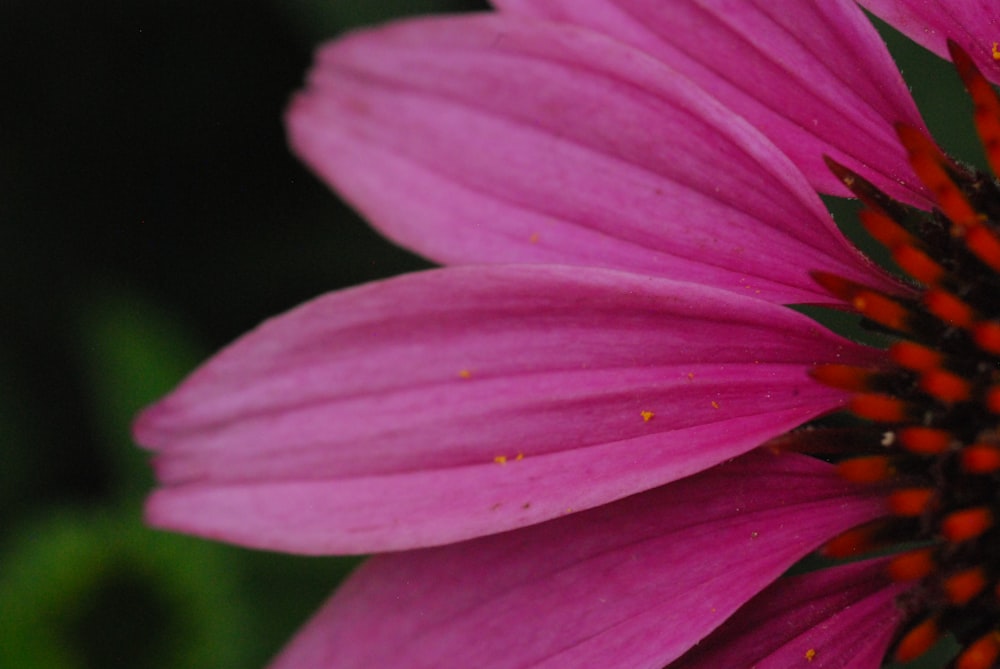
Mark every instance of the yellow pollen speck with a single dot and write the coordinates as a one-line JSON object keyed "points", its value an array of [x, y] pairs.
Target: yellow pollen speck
{"points": [[533, 239], [691, 376], [996, 51], [811, 654], [715, 405], [520, 456], [465, 374], [646, 416], [500, 459]]}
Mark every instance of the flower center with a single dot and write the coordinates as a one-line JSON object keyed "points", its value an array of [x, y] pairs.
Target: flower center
{"points": [[930, 434]]}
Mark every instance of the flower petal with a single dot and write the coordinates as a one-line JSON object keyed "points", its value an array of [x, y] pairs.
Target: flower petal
{"points": [[815, 77], [632, 584], [445, 405], [488, 139], [973, 24], [838, 618]]}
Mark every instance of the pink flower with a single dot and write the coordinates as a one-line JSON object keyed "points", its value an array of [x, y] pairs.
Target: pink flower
{"points": [[553, 439]]}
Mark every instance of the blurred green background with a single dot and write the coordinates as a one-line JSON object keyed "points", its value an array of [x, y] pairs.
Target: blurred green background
{"points": [[149, 214]]}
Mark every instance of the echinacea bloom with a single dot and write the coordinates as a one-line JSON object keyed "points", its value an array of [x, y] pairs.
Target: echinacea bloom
{"points": [[554, 440]]}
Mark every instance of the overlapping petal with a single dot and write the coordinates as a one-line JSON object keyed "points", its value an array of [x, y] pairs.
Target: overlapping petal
{"points": [[632, 584], [496, 139], [449, 404], [815, 77], [973, 24], [628, 154], [838, 618]]}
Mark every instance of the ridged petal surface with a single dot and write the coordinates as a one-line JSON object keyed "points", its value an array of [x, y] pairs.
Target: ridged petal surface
{"points": [[449, 404], [836, 618], [630, 585], [497, 139], [973, 24], [814, 76]]}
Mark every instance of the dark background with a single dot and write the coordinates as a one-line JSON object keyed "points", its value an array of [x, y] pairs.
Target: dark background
{"points": [[150, 213]]}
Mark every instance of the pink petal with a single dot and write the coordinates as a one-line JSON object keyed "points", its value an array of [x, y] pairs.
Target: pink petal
{"points": [[496, 140], [815, 77], [974, 24], [633, 584], [839, 618], [445, 405]]}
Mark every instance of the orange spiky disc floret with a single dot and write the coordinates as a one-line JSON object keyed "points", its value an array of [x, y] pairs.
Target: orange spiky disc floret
{"points": [[935, 170], [963, 586], [845, 377], [870, 469], [992, 399], [949, 308], [915, 357], [966, 524], [872, 304], [936, 396], [905, 248], [885, 230], [987, 104], [918, 640], [925, 440], [918, 264], [981, 458], [981, 653], [987, 336], [910, 502], [912, 565], [945, 386], [881, 408], [985, 245], [856, 541]]}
